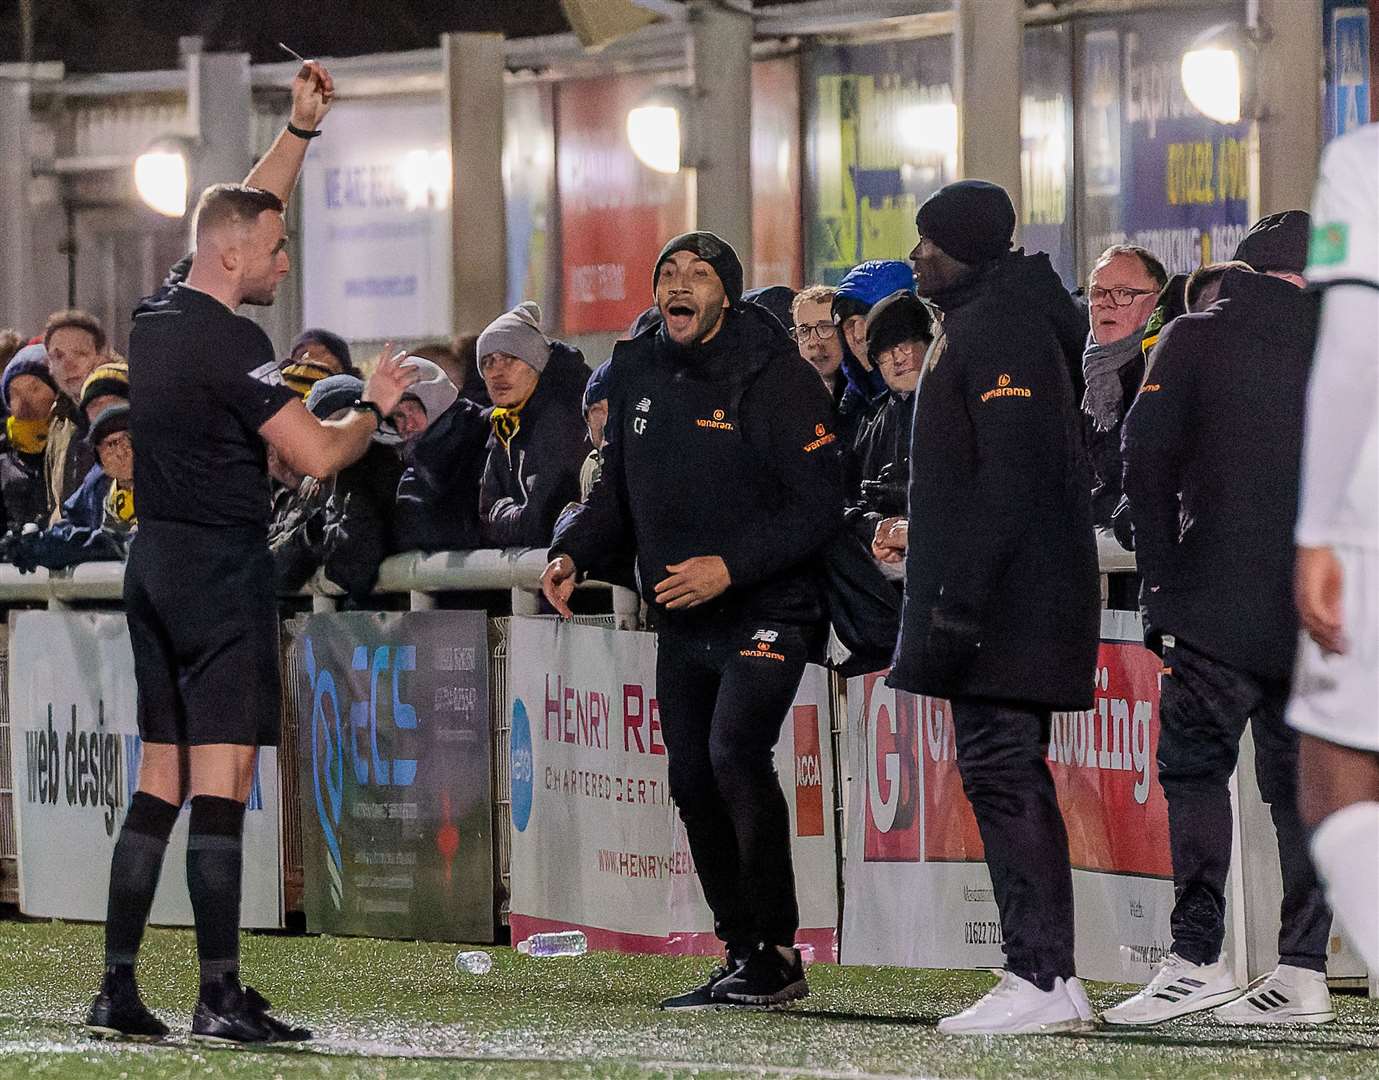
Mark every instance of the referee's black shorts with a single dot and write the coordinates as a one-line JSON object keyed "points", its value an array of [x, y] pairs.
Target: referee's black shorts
{"points": [[203, 624]]}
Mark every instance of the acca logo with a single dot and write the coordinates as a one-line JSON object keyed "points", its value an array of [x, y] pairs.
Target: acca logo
{"points": [[329, 740], [522, 770]]}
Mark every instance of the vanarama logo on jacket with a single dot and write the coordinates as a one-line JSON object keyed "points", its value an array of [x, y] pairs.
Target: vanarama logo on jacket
{"points": [[1003, 389]]}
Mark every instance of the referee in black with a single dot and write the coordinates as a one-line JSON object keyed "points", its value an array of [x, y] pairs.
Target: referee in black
{"points": [[206, 397]]}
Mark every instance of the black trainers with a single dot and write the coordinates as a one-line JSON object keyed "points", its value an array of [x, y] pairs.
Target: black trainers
{"points": [[281, 1031], [769, 977], [119, 1013], [701, 997], [225, 1014]]}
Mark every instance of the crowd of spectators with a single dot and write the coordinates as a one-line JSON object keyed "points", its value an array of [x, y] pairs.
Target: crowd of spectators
{"points": [[503, 432]]}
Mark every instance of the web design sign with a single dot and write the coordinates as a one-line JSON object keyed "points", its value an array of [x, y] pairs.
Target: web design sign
{"points": [[74, 756], [395, 772]]}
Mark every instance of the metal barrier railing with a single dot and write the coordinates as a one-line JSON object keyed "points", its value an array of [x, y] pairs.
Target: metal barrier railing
{"points": [[420, 576]]}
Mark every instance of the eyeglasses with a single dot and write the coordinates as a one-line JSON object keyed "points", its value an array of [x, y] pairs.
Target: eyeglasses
{"points": [[824, 331], [1120, 295]]}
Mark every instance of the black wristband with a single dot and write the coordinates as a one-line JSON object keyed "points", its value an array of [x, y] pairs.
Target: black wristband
{"points": [[368, 406], [301, 133]]}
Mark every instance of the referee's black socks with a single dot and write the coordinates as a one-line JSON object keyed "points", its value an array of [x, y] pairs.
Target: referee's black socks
{"points": [[214, 866], [134, 871]]}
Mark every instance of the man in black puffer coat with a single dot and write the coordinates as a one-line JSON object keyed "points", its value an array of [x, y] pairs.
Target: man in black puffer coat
{"points": [[1001, 611], [721, 473], [537, 446]]}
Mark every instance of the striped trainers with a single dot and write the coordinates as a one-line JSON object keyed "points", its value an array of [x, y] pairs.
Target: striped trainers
{"points": [[1178, 988], [1287, 995]]}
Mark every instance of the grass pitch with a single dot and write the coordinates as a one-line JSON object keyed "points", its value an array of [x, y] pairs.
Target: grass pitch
{"points": [[398, 1009]]}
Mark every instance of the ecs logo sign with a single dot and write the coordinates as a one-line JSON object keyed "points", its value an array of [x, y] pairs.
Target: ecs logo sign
{"points": [[333, 739]]}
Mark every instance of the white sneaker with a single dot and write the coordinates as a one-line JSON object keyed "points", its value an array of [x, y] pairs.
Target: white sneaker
{"points": [[1077, 993], [1015, 1006], [1287, 995], [1177, 989]]}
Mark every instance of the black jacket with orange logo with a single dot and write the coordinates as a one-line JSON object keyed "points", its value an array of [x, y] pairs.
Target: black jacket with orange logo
{"points": [[1002, 597], [1213, 450], [726, 449]]}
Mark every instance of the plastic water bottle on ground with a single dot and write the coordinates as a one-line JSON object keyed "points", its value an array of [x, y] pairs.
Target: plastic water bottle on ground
{"points": [[473, 963], [563, 943]]}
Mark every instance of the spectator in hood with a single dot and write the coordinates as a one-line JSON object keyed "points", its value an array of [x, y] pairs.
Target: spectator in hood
{"points": [[1002, 598], [1203, 285], [1277, 245], [437, 502], [99, 519], [76, 344], [537, 388], [29, 393], [818, 337], [863, 286], [107, 385], [777, 299], [899, 332], [348, 525], [424, 401], [1123, 289], [325, 350], [1213, 451], [721, 474]]}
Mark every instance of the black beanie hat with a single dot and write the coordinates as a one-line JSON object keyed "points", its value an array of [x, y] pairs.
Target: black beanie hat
{"points": [[1277, 242], [112, 418], [971, 220], [898, 318], [715, 251]]}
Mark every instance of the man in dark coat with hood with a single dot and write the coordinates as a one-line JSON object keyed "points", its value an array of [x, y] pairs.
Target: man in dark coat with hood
{"points": [[1001, 612], [721, 473], [537, 445], [1213, 450]]}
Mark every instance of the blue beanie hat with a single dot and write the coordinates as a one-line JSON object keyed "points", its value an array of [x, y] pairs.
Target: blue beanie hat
{"points": [[872, 281], [599, 385], [30, 360], [333, 343]]}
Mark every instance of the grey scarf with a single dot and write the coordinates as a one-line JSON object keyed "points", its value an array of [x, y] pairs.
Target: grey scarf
{"points": [[1101, 367]]}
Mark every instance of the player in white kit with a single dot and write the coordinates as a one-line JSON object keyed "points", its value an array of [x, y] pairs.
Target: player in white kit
{"points": [[1335, 703]]}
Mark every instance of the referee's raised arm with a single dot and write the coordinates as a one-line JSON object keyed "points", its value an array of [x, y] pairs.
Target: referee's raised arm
{"points": [[313, 90]]}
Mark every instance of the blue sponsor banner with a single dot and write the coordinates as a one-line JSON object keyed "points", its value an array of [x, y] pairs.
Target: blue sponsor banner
{"points": [[1346, 31], [395, 767], [1157, 172]]}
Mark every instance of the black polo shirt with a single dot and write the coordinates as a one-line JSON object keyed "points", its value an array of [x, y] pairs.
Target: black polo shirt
{"points": [[202, 381]]}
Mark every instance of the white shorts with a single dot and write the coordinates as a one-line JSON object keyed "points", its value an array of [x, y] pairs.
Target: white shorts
{"points": [[1336, 698]]}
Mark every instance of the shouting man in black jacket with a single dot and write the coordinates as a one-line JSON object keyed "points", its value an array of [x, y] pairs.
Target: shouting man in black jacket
{"points": [[1001, 591], [1213, 448], [721, 472]]}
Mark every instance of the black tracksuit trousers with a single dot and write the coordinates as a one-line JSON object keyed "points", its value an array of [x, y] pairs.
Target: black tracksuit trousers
{"points": [[1002, 759], [1203, 708], [724, 693]]}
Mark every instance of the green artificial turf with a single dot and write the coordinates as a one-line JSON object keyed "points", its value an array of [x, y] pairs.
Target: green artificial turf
{"points": [[399, 1009]]}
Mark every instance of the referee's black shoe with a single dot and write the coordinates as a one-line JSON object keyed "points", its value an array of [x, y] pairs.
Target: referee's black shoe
{"points": [[225, 1014], [702, 997], [772, 975], [119, 1013], [281, 1031]]}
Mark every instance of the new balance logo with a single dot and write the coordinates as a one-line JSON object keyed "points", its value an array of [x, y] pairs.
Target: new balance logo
{"points": [[644, 405], [767, 636]]}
